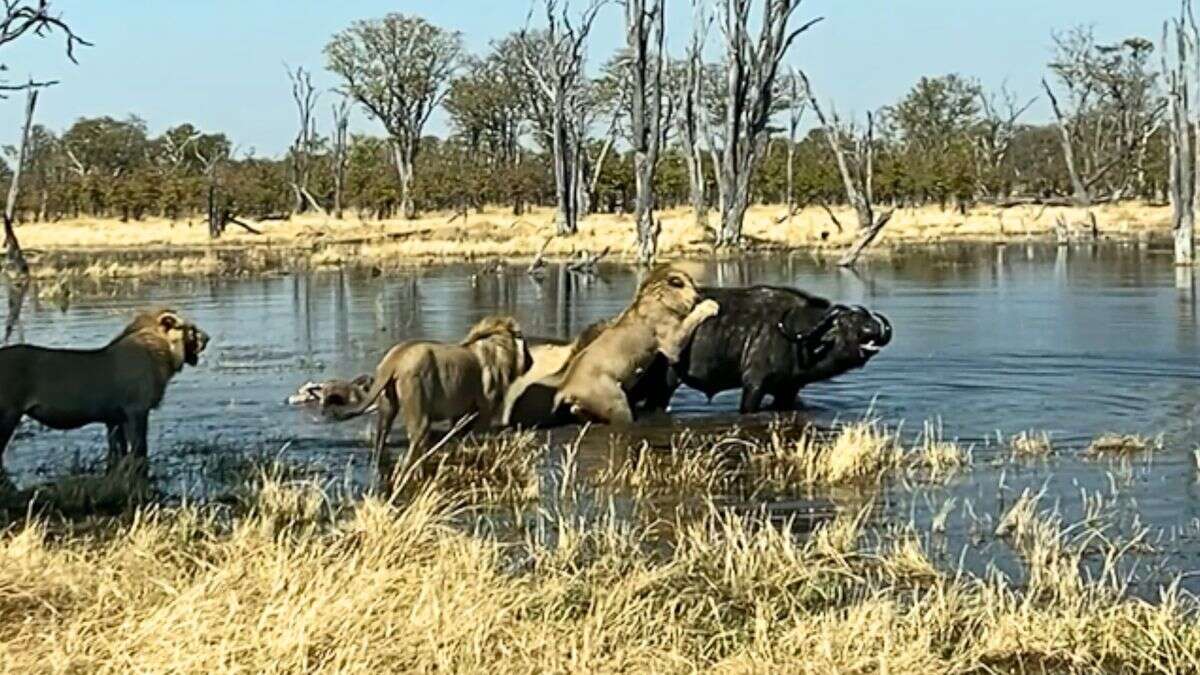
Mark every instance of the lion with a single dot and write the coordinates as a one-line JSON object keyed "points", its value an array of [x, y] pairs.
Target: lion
{"points": [[116, 385], [433, 381], [607, 360]]}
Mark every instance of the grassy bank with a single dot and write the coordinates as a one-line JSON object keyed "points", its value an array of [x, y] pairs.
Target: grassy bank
{"points": [[105, 248], [467, 571]]}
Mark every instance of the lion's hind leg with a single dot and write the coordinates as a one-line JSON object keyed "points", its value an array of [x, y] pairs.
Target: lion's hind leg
{"points": [[388, 407], [605, 404]]}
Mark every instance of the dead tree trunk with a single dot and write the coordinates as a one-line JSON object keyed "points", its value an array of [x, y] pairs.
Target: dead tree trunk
{"points": [[404, 153], [556, 66], [751, 69], [340, 153], [692, 121], [211, 164], [857, 168], [1082, 194], [14, 256], [795, 116], [305, 144], [1182, 135], [645, 31]]}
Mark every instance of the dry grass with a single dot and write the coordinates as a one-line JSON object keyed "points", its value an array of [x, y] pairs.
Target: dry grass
{"points": [[693, 464], [787, 458], [179, 249], [294, 583], [1031, 445], [1123, 445]]}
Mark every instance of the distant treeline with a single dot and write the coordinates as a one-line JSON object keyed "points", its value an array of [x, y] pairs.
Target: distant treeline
{"points": [[947, 142]]}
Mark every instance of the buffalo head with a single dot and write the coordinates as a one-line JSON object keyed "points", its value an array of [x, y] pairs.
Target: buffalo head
{"points": [[843, 338]]}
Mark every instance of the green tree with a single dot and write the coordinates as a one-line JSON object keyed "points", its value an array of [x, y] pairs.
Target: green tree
{"points": [[399, 68], [934, 123]]}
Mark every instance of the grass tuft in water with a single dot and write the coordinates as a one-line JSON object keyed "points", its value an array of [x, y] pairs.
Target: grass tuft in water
{"points": [[1031, 445], [1123, 445]]}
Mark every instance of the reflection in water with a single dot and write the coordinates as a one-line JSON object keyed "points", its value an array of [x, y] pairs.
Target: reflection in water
{"points": [[17, 290]]}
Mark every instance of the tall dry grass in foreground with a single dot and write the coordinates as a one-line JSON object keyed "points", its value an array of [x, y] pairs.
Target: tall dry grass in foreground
{"points": [[293, 581], [168, 248], [295, 584]]}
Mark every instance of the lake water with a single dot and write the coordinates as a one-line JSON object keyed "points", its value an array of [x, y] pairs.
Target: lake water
{"points": [[1073, 341]]}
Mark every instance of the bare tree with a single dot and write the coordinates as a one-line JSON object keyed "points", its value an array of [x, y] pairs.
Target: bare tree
{"points": [[1182, 130], [1110, 114], [399, 68], [34, 18], [306, 143], [751, 65], [691, 118], [14, 257], [339, 154], [211, 164], [997, 129], [855, 155], [796, 107], [554, 60], [645, 36], [19, 19]]}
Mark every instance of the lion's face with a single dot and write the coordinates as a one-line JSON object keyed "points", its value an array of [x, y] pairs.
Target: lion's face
{"points": [[186, 339], [672, 288]]}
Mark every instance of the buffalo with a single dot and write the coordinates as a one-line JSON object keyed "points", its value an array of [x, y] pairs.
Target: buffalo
{"points": [[767, 341]]}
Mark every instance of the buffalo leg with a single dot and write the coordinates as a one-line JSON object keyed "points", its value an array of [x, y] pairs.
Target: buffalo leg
{"points": [[654, 389], [785, 398], [752, 398]]}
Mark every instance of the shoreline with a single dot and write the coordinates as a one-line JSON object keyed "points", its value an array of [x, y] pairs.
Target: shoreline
{"points": [[101, 249]]}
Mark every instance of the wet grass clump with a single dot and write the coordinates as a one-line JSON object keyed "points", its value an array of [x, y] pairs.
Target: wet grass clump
{"points": [[1123, 445], [1031, 445], [786, 458]]}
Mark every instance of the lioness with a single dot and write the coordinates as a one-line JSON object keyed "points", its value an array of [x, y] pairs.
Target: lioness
{"points": [[666, 310], [117, 385], [433, 381]]}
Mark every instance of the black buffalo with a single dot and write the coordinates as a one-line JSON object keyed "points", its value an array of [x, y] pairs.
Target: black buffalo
{"points": [[768, 341]]}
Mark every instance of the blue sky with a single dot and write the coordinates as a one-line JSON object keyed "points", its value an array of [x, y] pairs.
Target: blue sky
{"points": [[219, 63]]}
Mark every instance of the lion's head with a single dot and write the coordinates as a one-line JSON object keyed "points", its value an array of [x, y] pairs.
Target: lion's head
{"points": [[669, 288], [183, 340]]}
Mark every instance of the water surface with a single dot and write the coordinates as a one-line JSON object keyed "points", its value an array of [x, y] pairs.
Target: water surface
{"points": [[989, 340]]}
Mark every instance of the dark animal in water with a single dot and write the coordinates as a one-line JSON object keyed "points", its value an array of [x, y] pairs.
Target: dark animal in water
{"points": [[768, 341]]}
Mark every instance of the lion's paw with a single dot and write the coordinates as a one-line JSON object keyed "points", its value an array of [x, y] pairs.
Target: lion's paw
{"points": [[708, 308]]}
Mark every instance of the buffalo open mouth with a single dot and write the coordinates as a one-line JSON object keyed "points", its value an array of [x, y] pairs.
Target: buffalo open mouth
{"points": [[875, 343]]}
